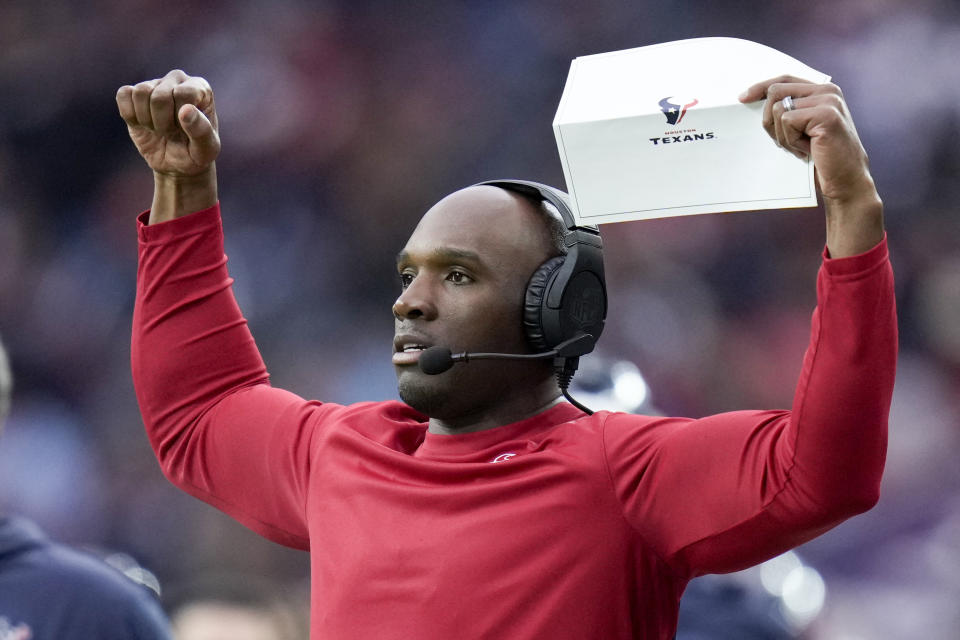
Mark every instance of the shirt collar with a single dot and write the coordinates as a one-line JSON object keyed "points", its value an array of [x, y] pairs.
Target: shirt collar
{"points": [[478, 444]]}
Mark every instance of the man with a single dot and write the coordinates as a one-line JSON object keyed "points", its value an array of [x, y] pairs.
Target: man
{"points": [[51, 592], [486, 507]]}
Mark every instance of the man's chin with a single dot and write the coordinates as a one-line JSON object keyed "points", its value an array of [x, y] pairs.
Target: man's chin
{"points": [[427, 394]]}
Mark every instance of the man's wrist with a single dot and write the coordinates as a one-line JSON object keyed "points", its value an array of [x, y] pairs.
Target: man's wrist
{"points": [[177, 196], [854, 225]]}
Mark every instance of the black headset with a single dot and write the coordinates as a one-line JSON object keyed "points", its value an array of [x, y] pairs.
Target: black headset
{"points": [[566, 296]]}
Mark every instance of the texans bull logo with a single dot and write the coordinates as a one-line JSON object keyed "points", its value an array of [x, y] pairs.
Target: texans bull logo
{"points": [[675, 108]]}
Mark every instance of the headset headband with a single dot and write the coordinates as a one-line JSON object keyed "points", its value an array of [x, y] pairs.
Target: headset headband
{"points": [[544, 192]]}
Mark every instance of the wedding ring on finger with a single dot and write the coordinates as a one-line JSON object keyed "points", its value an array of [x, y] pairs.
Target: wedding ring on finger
{"points": [[788, 104]]}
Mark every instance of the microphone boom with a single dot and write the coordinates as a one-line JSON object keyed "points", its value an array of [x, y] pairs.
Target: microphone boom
{"points": [[437, 359], [566, 355]]}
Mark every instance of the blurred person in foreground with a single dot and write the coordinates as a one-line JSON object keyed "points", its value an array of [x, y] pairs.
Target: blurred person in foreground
{"points": [[49, 591], [484, 505], [232, 607]]}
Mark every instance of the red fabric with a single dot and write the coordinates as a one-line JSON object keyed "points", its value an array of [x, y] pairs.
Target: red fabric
{"points": [[591, 530]]}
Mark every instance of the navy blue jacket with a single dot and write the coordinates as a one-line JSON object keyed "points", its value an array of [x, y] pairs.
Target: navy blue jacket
{"points": [[51, 592]]}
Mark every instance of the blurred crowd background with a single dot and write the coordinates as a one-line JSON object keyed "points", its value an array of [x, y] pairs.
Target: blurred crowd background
{"points": [[342, 122]]}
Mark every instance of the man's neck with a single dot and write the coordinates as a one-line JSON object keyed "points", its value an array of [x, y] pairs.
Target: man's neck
{"points": [[505, 413]]}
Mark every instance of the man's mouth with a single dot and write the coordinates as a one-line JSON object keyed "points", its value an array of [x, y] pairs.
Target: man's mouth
{"points": [[408, 352]]}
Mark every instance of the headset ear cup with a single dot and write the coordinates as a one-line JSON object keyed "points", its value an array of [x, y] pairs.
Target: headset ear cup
{"points": [[534, 303]]}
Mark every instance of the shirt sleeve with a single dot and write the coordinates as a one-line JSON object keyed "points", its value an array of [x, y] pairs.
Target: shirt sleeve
{"points": [[728, 491], [217, 427]]}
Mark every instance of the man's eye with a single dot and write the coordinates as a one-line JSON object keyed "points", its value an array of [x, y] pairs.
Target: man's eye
{"points": [[458, 277], [405, 280]]}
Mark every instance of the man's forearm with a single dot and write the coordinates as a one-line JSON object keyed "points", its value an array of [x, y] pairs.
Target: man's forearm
{"points": [[177, 196], [190, 343]]}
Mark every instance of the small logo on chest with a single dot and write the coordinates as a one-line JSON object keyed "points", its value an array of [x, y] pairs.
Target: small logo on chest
{"points": [[503, 457]]}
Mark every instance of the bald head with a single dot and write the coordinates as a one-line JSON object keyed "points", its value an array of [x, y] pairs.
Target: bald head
{"points": [[549, 217], [486, 201]]}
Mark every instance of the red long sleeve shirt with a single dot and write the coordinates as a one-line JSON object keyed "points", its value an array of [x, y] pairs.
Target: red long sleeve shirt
{"points": [[589, 528]]}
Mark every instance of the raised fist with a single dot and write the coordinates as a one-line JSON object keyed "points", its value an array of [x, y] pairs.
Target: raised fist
{"points": [[173, 123]]}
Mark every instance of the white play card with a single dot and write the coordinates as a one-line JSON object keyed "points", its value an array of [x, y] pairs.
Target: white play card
{"points": [[659, 131]]}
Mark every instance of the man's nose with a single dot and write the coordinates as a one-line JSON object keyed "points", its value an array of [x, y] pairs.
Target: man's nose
{"points": [[416, 301]]}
